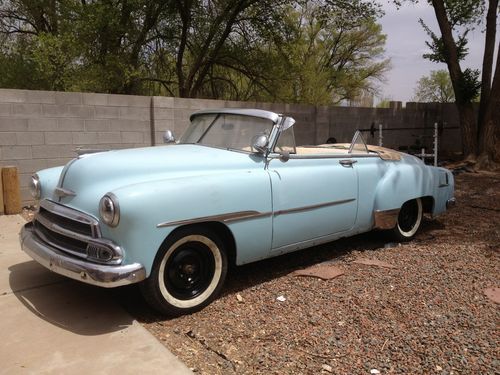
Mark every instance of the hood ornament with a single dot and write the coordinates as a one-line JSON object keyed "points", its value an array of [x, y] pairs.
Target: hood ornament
{"points": [[62, 193]]}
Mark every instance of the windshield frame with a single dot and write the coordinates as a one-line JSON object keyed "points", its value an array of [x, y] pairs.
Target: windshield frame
{"points": [[275, 129]]}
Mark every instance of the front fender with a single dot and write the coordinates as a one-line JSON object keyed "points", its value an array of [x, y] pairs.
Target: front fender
{"points": [[49, 179], [144, 206]]}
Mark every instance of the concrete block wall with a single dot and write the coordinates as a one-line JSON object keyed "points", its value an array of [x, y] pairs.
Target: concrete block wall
{"points": [[42, 129]]}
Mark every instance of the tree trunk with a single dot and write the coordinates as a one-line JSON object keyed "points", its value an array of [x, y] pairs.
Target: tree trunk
{"points": [[489, 49], [468, 130], [184, 9], [489, 132], [468, 124]]}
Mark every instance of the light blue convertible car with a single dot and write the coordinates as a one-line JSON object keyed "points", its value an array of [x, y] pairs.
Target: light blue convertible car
{"points": [[233, 189]]}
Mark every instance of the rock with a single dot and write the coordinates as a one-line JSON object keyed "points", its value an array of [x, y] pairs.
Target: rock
{"points": [[281, 298], [374, 371], [439, 368], [324, 271], [493, 294], [327, 368], [239, 298]]}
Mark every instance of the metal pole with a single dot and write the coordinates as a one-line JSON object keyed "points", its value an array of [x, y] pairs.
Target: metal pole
{"points": [[435, 144], [380, 136]]}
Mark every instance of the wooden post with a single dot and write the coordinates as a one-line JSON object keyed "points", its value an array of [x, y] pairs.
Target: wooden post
{"points": [[11, 191], [1, 194]]}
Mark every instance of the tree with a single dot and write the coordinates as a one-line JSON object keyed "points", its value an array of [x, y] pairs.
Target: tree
{"points": [[210, 43], [77, 45], [436, 87], [480, 134], [317, 51], [328, 52]]}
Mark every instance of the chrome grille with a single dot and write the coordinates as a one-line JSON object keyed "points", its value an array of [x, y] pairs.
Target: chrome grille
{"points": [[60, 241], [73, 232], [65, 222]]}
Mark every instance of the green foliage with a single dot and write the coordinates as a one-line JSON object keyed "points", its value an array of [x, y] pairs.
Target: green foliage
{"points": [[436, 87], [328, 53], [436, 45], [314, 51], [463, 16], [53, 58], [469, 85], [465, 13]]}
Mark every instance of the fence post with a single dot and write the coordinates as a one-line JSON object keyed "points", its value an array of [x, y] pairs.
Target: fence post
{"points": [[435, 144], [380, 136], [1, 194], [11, 192]]}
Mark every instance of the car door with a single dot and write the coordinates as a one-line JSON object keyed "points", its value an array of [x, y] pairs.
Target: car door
{"points": [[312, 198]]}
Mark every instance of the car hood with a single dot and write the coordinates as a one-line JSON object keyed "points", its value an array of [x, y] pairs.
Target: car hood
{"points": [[99, 173]]}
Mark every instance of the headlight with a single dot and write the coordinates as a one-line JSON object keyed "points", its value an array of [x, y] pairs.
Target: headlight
{"points": [[109, 210], [35, 187]]}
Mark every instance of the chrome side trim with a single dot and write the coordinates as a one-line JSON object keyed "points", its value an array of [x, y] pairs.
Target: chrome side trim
{"points": [[312, 207], [107, 276], [248, 215], [61, 192], [64, 171], [73, 215], [225, 218], [386, 219]]}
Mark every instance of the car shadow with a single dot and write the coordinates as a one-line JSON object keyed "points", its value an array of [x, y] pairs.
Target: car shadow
{"points": [[252, 274], [70, 305], [247, 276], [238, 279]]}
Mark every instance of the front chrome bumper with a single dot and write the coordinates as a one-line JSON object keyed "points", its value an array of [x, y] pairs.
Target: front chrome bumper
{"points": [[91, 273]]}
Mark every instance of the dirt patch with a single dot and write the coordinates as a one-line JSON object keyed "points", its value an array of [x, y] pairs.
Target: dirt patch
{"points": [[428, 314]]}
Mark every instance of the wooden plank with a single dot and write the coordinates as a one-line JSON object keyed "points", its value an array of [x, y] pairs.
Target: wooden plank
{"points": [[11, 190], [2, 209]]}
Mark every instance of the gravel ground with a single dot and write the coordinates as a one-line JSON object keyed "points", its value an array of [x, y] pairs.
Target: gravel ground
{"points": [[428, 314]]}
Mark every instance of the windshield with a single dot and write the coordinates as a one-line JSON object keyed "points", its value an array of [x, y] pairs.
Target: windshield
{"points": [[234, 132], [358, 144]]}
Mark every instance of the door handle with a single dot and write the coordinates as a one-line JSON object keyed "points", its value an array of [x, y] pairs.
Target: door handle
{"points": [[347, 162]]}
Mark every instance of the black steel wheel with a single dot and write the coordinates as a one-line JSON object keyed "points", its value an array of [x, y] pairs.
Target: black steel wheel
{"points": [[188, 272], [409, 220]]}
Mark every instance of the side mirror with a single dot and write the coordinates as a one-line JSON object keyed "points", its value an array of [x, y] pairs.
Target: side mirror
{"points": [[168, 137], [259, 144]]}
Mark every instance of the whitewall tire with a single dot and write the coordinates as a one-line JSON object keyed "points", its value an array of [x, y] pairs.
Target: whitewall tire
{"points": [[409, 220], [188, 272]]}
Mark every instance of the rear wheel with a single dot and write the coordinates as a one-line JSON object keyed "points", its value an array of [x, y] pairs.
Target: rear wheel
{"points": [[409, 220], [188, 272]]}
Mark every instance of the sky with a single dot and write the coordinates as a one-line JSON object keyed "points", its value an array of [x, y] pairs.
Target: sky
{"points": [[405, 46]]}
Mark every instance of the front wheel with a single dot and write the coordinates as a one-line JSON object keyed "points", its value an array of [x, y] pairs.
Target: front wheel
{"points": [[409, 220], [188, 272]]}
